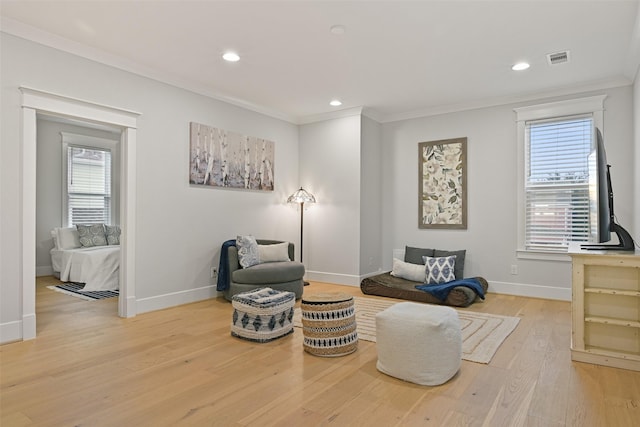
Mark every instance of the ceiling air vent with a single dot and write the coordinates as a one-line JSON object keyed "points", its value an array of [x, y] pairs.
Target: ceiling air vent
{"points": [[558, 57]]}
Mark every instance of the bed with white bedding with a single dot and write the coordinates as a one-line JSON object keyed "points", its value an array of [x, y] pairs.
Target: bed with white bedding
{"points": [[98, 267]]}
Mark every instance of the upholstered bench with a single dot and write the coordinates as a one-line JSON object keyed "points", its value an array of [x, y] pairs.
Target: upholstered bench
{"points": [[419, 343], [262, 315]]}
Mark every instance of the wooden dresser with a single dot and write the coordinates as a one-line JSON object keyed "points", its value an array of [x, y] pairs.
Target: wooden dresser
{"points": [[605, 307]]}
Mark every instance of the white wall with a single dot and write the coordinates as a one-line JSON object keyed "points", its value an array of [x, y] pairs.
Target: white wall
{"points": [[371, 198], [179, 228], [330, 169], [490, 239]]}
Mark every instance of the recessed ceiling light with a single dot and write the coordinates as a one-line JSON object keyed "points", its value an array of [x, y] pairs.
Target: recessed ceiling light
{"points": [[335, 103], [520, 66], [231, 57], [337, 29]]}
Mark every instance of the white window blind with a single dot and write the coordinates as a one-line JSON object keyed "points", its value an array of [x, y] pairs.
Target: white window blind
{"points": [[88, 185], [557, 182]]}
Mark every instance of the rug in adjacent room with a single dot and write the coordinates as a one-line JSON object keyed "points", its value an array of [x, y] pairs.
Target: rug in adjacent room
{"points": [[75, 289], [482, 334]]}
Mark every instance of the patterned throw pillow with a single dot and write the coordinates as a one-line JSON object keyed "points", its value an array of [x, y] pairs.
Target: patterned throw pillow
{"points": [[440, 269], [112, 232], [92, 235], [247, 251]]}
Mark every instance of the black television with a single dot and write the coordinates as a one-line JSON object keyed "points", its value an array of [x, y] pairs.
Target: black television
{"points": [[604, 193]]}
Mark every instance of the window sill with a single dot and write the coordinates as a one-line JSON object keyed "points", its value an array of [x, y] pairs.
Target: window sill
{"points": [[543, 256]]}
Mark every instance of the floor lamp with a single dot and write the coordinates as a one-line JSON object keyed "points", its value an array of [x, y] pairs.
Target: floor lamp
{"points": [[301, 197]]}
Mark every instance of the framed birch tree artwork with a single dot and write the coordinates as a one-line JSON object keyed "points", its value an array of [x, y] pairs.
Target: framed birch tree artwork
{"points": [[219, 158], [442, 183]]}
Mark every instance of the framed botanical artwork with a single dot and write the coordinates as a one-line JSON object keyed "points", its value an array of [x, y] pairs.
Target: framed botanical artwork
{"points": [[220, 158], [442, 184]]}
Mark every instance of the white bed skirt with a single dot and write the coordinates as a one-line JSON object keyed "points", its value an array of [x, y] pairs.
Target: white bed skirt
{"points": [[98, 267]]}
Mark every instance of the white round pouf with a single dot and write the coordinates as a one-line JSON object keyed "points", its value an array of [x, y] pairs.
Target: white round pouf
{"points": [[419, 343]]}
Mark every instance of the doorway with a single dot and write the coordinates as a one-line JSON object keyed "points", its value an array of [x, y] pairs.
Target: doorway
{"points": [[36, 103], [77, 181]]}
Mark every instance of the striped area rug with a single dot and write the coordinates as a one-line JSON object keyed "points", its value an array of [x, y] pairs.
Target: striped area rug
{"points": [[482, 334], [75, 289]]}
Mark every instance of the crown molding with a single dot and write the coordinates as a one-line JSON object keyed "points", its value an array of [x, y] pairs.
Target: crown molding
{"points": [[632, 65], [18, 29], [499, 101], [347, 112], [36, 35], [372, 114]]}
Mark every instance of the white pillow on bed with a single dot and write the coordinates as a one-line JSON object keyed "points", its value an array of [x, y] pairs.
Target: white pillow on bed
{"points": [[409, 271], [274, 253], [67, 238]]}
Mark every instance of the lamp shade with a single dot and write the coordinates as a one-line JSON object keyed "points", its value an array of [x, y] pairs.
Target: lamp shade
{"points": [[301, 196]]}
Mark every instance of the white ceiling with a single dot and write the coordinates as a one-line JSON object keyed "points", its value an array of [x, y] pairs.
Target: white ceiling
{"points": [[397, 59]]}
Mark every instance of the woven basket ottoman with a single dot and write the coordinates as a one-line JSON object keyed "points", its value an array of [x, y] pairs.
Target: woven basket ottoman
{"points": [[262, 315], [329, 324], [419, 343]]}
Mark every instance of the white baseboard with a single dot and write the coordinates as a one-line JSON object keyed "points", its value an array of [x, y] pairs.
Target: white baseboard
{"points": [[374, 273], [519, 289], [44, 270], [18, 330], [130, 306], [526, 290], [10, 332], [338, 279], [13, 331], [159, 302]]}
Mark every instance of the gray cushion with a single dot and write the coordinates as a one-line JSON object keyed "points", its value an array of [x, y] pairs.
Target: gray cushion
{"points": [[91, 235], [112, 233], [271, 272], [459, 267], [414, 255]]}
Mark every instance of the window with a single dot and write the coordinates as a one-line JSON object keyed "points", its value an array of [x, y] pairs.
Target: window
{"points": [[555, 141], [557, 182], [87, 181]]}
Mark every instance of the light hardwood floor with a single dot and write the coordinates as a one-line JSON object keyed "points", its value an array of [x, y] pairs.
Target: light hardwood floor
{"points": [[180, 366]]}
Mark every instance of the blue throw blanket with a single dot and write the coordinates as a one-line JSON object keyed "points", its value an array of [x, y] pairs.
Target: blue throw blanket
{"points": [[442, 290], [223, 268]]}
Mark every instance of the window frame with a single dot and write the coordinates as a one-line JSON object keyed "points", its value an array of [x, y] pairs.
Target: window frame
{"points": [[593, 105], [91, 142]]}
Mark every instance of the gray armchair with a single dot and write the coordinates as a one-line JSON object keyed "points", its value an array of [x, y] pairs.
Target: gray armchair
{"points": [[282, 276]]}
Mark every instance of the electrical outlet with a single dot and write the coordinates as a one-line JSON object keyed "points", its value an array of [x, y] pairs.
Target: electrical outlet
{"points": [[214, 272], [514, 269]]}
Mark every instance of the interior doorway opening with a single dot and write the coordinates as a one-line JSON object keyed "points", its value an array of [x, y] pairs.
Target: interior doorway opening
{"points": [[77, 181], [38, 103]]}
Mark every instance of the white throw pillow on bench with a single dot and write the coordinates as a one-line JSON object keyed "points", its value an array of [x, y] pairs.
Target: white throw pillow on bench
{"points": [[409, 271], [66, 238]]}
